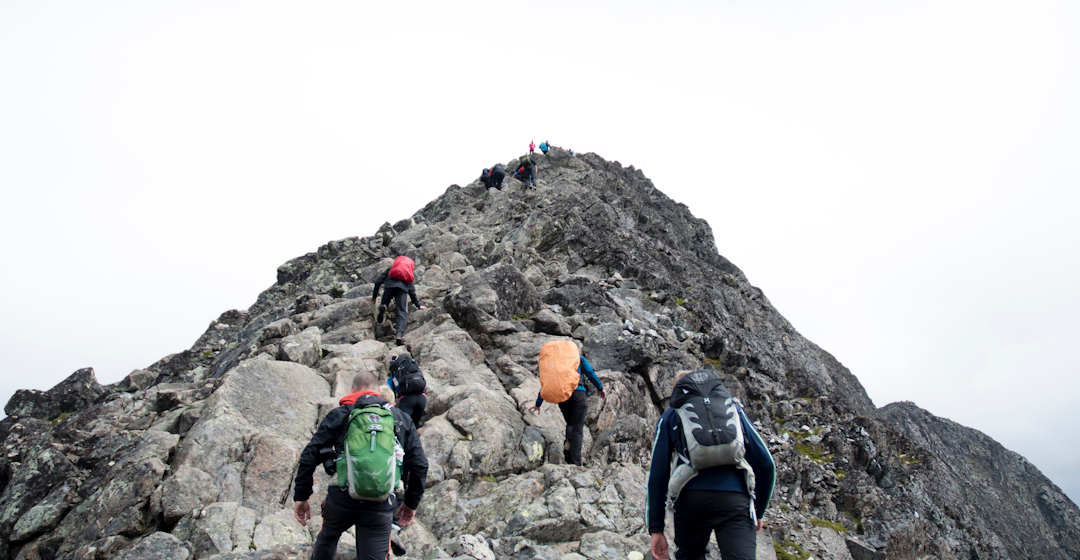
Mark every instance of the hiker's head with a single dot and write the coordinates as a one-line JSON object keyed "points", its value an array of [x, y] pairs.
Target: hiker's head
{"points": [[386, 394], [365, 381]]}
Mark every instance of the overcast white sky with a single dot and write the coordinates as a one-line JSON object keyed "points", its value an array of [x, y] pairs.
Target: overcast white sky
{"points": [[899, 178]]}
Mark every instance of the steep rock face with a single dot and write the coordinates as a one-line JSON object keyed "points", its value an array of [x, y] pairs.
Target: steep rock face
{"points": [[193, 457]]}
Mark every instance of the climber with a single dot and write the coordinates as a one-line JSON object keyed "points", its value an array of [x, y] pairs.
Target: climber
{"points": [[399, 287], [563, 381], [408, 384], [495, 177], [528, 171], [373, 518], [544, 146], [727, 489], [532, 146], [485, 177]]}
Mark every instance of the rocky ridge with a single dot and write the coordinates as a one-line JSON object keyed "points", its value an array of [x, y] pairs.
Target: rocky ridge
{"points": [[193, 457]]}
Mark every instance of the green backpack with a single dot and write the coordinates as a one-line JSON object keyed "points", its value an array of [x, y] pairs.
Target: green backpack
{"points": [[371, 464]]}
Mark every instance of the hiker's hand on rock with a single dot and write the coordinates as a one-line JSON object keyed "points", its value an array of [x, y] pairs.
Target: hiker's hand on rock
{"points": [[407, 514], [423, 307], [760, 524], [534, 409], [603, 395], [302, 511], [658, 546]]}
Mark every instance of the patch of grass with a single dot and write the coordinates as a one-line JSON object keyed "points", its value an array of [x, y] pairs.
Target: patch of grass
{"points": [[819, 522], [840, 475], [715, 363], [524, 316], [486, 478], [783, 554], [679, 301], [855, 520], [909, 459], [60, 418], [813, 452], [785, 507]]}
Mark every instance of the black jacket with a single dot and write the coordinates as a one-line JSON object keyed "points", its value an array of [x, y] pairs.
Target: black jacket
{"points": [[331, 432], [385, 278]]}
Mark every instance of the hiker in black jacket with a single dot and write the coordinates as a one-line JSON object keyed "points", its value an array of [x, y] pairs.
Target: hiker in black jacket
{"points": [[373, 520], [496, 176], [528, 174], [399, 286]]}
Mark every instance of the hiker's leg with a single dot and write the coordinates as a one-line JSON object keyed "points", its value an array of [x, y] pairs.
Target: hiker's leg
{"points": [[694, 523], [413, 406], [579, 403], [387, 295], [373, 535], [735, 533], [402, 298], [336, 520]]}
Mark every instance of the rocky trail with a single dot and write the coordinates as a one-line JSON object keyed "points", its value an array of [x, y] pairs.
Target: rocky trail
{"points": [[193, 457]]}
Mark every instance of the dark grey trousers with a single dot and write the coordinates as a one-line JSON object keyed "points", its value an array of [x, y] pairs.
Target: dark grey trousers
{"points": [[574, 411], [700, 513], [372, 527], [401, 301]]}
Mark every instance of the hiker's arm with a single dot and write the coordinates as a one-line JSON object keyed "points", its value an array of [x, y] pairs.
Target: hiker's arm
{"points": [[539, 402], [761, 461], [379, 282], [587, 368], [417, 464], [659, 473], [412, 296], [324, 437]]}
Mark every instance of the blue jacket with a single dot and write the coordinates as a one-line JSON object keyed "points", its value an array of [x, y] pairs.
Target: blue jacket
{"points": [[669, 439], [584, 369]]}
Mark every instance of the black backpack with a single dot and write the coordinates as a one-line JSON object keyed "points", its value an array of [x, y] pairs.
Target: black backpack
{"points": [[410, 380]]}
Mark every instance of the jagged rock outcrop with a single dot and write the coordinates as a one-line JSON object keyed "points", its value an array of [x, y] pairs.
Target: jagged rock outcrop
{"points": [[193, 457]]}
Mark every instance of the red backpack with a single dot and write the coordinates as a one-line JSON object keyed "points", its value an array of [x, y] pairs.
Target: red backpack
{"points": [[402, 269]]}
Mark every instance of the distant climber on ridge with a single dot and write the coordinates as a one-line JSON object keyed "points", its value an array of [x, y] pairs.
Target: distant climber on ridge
{"points": [[399, 287], [544, 146], [563, 371], [528, 171], [532, 146], [493, 178], [723, 475]]}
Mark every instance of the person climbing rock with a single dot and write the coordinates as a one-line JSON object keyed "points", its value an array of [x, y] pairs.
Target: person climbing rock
{"points": [[528, 171], [532, 146], [563, 371], [495, 177], [399, 287], [728, 488], [373, 518], [408, 384], [544, 146]]}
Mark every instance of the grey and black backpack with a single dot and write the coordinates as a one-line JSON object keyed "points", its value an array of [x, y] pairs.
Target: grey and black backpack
{"points": [[410, 380], [711, 427]]}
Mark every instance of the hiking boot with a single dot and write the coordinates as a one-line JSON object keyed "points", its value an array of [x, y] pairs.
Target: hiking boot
{"points": [[382, 313], [397, 548], [566, 446], [399, 342]]}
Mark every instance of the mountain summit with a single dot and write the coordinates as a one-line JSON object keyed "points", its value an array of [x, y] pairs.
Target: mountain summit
{"points": [[194, 456]]}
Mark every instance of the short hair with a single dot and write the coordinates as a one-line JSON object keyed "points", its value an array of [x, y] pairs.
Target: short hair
{"points": [[364, 381]]}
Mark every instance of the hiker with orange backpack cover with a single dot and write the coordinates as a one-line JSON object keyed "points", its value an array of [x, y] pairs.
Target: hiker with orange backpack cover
{"points": [[563, 371], [399, 287]]}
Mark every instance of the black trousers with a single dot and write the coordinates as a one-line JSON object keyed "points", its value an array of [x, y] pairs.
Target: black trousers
{"points": [[414, 406], [340, 512], [574, 410], [700, 513], [401, 300]]}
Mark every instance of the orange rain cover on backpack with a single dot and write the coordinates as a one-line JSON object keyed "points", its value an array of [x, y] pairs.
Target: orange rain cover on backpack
{"points": [[402, 269], [559, 360]]}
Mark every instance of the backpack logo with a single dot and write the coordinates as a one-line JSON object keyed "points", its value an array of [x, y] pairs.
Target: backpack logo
{"points": [[375, 419]]}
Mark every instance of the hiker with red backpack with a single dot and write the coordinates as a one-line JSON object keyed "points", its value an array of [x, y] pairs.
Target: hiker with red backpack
{"points": [[563, 371], [399, 287], [372, 452], [722, 478]]}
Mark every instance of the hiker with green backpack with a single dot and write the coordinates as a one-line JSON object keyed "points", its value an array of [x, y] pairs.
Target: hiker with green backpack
{"points": [[722, 477], [370, 448]]}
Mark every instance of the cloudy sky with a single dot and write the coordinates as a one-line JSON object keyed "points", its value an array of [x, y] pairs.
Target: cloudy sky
{"points": [[899, 178]]}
